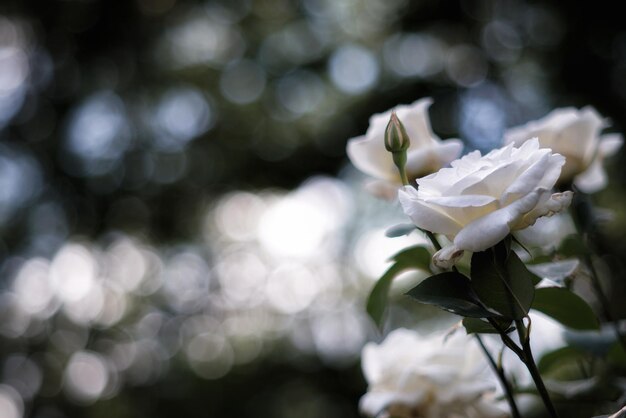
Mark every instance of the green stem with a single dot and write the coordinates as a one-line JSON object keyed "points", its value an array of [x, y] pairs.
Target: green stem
{"points": [[604, 301], [403, 177], [529, 361], [399, 159], [585, 237], [506, 339], [433, 239], [499, 371]]}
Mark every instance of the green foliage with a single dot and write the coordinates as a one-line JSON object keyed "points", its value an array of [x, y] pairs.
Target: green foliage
{"points": [[572, 246], [617, 355], [554, 359], [416, 258], [566, 307], [480, 326], [452, 292], [502, 281]]}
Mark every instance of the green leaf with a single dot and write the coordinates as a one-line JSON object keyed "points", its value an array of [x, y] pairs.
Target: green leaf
{"points": [[377, 300], [617, 355], [519, 272], [400, 230], [416, 257], [566, 307], [450, 291], [554, 359], [502, 281], [479, 326], [572, 246]]}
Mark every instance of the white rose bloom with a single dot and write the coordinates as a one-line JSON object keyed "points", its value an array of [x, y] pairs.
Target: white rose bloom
{"points": [[411, 375], [426, 154], [480, 199], [575, 134], [547, 233]]}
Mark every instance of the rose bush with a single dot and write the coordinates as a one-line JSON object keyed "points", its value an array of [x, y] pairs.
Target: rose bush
{"points": [[480, 199], [575, 134], [437, 376], [426, 153]]}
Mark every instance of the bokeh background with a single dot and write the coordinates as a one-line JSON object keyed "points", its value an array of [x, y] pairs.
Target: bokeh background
{"points": [[181, 233]]}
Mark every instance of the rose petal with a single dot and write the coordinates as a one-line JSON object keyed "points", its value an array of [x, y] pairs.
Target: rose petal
{"points": [[370, 156], [417, 123], [482, 181], [610, 144], [593, 179], [547, 232], [487, 231], [425, 160], [464, 208], [381, 189], [449, 150], [543, 173], [555, 203], [424, 216], [579, 136]]}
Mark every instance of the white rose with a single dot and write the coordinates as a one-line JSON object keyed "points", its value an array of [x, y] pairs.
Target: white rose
{"points": [[411, 375], [426, 154], [547, 234], [480, 199], [575, 134]]}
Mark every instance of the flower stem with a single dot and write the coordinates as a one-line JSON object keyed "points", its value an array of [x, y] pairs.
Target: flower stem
{"points": [[432, 239], [499, 371], [399, 159], [604, 301], [577, 210], [506, 339], [529, 361]]}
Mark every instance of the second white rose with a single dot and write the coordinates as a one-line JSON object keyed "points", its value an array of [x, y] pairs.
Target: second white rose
{"points": [[576, 135], [435, 376]]}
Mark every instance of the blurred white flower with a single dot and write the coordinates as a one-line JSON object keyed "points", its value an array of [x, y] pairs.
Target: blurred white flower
{"points": [[436, 376], [426, 154], [554, 273], [548, 232], [480, 199], [576, 135]]}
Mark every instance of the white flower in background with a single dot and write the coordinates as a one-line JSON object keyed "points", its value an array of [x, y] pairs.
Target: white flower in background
{"points": [[547, 233], [575, 134], [426, 154], [411, 375], [481, 199]]}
